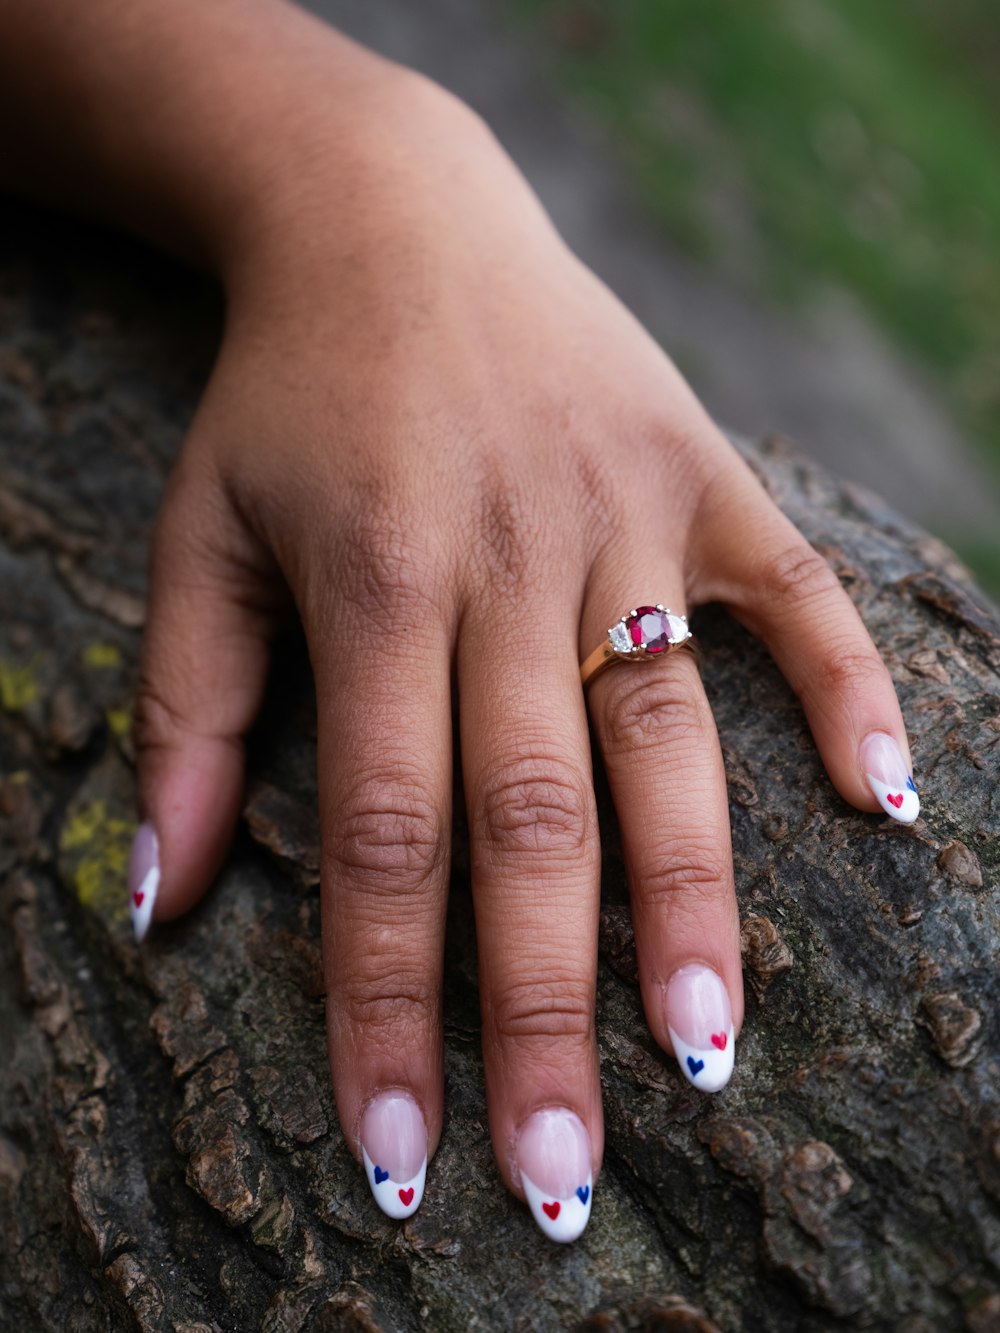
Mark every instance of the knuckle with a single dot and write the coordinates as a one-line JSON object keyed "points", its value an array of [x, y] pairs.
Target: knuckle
{"points": [[598, 498], [512, 537], [648, 707], [796, 574], [851, 671], [529, 1009], [387, 1001], [157, 724], [695, 872], [389, 838], [385, 565], [509, 542], [530, 805]]}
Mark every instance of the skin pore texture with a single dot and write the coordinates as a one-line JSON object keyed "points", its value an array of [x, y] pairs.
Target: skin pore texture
{"points": [[432, 430]]}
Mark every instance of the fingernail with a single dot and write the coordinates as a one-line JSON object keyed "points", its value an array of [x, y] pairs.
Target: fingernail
{"points": [[553, 1157], [394, 1146], [143, 878], [700, 1021], [890, 780]]}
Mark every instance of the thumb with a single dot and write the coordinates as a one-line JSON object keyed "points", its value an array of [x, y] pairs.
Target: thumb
{"points": [[215, 595]]}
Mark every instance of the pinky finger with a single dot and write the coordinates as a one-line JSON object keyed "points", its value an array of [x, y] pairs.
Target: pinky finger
{"points": [[774, 582]]}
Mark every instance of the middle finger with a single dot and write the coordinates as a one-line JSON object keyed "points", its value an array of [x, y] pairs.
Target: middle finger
{"points": [[536, 868]]}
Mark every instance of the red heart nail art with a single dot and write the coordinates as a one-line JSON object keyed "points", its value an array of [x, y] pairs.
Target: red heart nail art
{"points": [[406, 1196], [897, 801], [137, 897], [551, 1210], [719, 1040]]}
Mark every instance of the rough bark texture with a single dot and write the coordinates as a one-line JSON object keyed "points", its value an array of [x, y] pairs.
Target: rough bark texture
{"points": [[169, 1154]]}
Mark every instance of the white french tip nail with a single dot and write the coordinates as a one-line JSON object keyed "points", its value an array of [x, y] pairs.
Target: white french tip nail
{"points": [[898, 801], [561, 1220], [700, 1022], [394, 1147], [890, 781], [397, 1199], [708, 1069], [553, 1161], [143, 879]]}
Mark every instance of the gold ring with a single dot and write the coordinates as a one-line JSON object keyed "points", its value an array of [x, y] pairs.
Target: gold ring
{"points": [[643, 633]]}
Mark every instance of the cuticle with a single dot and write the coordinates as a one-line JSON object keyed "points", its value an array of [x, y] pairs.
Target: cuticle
{"points": [[694, 963]]}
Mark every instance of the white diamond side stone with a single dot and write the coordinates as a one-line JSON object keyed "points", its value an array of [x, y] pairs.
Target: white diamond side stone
{"points": [[619, 637], [678, 629]]}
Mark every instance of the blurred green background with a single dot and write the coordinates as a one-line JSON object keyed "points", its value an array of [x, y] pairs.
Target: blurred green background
{"points": [[793, 144]]}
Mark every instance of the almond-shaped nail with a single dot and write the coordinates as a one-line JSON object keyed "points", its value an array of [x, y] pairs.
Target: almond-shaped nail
{"points": [[553, 1158], [700, 1020], [394, 1146], [143, 878], [889, 778]]}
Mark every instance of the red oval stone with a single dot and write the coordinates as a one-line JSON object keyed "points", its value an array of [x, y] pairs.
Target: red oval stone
{"points": [[649, 629]]}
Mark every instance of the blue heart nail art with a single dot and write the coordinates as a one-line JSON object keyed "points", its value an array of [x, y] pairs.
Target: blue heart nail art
{"points": [[583, 1193], [909, 783], [695, 1066], [380, 1175]]}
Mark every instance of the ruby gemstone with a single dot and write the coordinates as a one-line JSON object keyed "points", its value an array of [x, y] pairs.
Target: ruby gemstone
{"points": [[649, 629]]}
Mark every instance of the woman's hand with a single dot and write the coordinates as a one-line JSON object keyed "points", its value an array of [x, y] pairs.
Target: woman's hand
{"points": [[438, 434], [458, 453]]}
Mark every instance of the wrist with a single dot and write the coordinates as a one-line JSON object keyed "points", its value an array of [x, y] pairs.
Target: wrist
{"points": [[307, 122], [400, 190], [343, 174]]}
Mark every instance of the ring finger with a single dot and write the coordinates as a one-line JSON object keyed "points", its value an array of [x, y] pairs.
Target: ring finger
{"points": [[664, 765]]}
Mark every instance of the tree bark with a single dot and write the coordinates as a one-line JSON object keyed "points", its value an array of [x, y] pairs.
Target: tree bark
{"points": [[169, 1154]]}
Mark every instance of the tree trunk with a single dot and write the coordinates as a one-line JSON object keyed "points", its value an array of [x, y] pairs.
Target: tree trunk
{"points": [[169, 1154]]}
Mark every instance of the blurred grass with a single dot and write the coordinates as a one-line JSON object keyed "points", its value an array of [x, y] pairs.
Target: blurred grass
{"points": [[796, 144]]}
